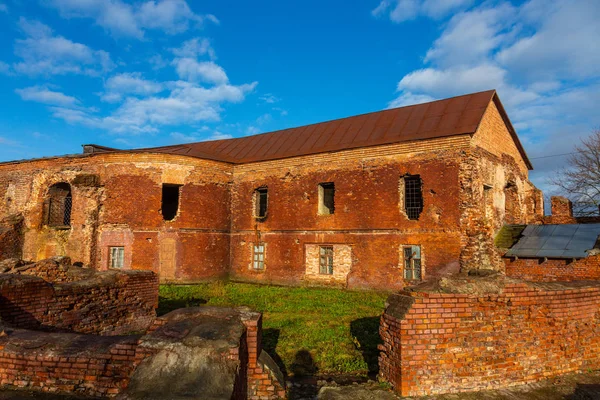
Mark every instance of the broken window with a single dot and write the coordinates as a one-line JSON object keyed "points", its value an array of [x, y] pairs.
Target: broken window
{"points": [[170, 201], [413, 196], [326, 198], [260, 202], [412, 262], [326, 260], [58, 205], [116, 256], [258, 257]]}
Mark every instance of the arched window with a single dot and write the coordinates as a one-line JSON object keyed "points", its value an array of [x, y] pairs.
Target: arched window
{"points": [[58, 205]]}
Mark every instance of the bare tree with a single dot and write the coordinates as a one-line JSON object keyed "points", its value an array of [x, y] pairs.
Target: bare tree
{"points": [[580, 179]]}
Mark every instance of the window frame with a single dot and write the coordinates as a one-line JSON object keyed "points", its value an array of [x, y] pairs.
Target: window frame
{"points": [[409, 273], [258, 195], [257, 260], [120, 257], [323, 207], [326, 260], [413, 196], [58, 206]]}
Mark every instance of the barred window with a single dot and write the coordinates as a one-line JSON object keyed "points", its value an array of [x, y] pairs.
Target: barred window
{"points": [[117, 254], [260, 202], [258, 257], [413, 196], [326, 198], [412, 262], [326, 260], [58, 205]]}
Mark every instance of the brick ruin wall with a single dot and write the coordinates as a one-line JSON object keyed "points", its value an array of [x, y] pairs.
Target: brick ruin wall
{"points": [[117, 202], [111, 303], [552, 270], [447, 343], [105, 365]]}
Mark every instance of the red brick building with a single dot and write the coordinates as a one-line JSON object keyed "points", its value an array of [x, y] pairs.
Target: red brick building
{"points": [[370, 201]]}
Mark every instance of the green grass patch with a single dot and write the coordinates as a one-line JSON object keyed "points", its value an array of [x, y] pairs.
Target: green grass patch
{"points": [[306, 330]]}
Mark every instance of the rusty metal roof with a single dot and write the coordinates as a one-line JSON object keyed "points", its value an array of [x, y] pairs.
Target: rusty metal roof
{"points": [[441, 118]]}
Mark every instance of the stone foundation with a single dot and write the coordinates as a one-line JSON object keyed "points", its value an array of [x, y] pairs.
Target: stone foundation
{"points": [[447, 342]]}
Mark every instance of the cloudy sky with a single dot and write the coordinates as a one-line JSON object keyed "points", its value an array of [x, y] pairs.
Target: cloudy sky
{"points": [[148, 73]]}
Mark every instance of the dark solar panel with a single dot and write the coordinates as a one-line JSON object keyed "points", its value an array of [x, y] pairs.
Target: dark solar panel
{"points": [[556, 241]]}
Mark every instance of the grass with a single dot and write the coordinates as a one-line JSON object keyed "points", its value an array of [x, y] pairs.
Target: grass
{"points": [[306, 330]]}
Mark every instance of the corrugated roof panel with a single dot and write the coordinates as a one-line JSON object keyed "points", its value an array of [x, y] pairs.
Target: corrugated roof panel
{"points": [[556, 241]]}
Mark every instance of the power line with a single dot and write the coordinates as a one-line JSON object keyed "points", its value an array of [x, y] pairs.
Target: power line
{"points": [[559, 155]]}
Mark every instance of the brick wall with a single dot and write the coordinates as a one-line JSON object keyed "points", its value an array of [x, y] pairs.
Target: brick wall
{"points": [[551, 270], [111, 303], [73, 363], [440, 343]]}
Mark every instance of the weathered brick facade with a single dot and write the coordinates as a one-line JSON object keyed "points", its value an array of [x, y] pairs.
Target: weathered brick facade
{"points": [[472, 183]]}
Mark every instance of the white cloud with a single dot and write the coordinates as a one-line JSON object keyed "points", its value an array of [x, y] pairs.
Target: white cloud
{"points": [[44, 95], [158, 62], [565, 44], [264, 119], [200, 71], [123, 19], [46, 54], [406, 10], [220, 136], [194, 48], [252, 130], [470, 36], [269, 98], [129, 84]]}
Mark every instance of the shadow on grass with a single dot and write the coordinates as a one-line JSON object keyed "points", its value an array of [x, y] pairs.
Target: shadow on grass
{"points": [[270, 338], [304, 383], [366, 334], [166, 305]]}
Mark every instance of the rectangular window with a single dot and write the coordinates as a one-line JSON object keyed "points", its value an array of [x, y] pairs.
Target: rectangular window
{"points": [[413, 196], [412, 263], [258, 257], [326, 198], [261, 197], [116, 257], [326, 260], [170, 201]]}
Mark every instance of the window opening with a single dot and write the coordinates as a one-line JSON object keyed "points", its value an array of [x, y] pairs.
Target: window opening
{"points": [[326, 198], [412, 262], [413, 196], [258, 258], [170, 201], [117, 255], [326, 260], [260, 199], [59, 205]]}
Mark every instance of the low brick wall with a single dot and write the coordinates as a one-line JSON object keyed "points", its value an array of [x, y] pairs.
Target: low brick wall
{"points": [[553, 270], [66, 362], [110, 303], [445, 343], [213, 338]]}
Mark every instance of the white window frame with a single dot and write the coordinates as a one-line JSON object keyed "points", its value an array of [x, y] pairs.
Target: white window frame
{"points": [[410, 272], [116, 257], [323, 250], [258, 256]]}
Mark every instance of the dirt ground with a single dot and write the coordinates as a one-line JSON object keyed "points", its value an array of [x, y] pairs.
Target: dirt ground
{"points": [[585, 386]]}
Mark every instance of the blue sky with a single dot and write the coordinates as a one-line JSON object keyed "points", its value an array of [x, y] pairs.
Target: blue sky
{"points": [[148, 73]]}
